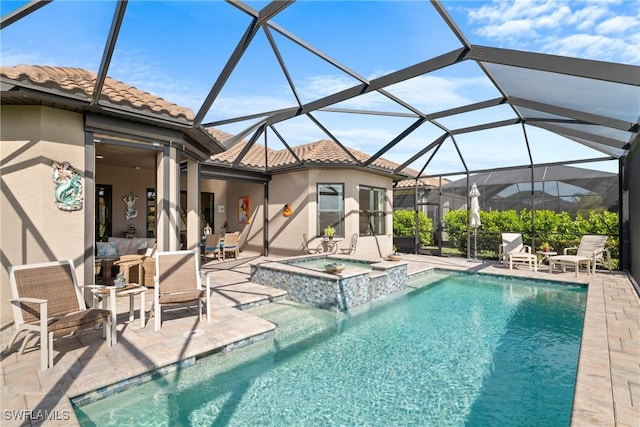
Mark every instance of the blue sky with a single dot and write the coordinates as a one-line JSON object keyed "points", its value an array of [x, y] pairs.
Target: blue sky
{"points": [[175, 49]]}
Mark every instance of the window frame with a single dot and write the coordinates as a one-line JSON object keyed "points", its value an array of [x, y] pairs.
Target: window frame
{"points": [[320, 224], [370, 210]]}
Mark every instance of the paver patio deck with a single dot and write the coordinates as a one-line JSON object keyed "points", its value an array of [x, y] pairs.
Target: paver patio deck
{"points": [[607, 387]]}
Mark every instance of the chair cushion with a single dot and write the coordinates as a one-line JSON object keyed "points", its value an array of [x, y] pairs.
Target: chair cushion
{"points": [[180, 297], [78, 319], [107, 249]]}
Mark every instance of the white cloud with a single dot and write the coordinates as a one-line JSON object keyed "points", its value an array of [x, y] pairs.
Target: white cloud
{"points": [[595, 47], [618, 25], [606, 30], [515, 28]]}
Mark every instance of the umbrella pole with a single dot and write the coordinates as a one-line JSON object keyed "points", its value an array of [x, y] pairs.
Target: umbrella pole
{"points": [[475, 244]]}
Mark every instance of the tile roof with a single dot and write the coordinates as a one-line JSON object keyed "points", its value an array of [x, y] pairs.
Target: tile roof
{"points": [[422, 182], [80, 82], [320, 153]]}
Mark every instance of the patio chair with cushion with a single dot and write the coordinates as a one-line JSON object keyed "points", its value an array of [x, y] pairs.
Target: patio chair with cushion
{"points": [[590, 253], [178, 282], [352, 245], [212, 247], [513, 250], [46, 301]]}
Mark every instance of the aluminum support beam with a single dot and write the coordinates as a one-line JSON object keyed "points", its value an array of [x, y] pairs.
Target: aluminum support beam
{"points": [[590, 69], [241, 47], [21, 12], [116, 23]]}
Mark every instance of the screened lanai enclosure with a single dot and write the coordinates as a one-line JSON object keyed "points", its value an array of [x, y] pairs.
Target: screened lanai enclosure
{"points": [[535, 130]]}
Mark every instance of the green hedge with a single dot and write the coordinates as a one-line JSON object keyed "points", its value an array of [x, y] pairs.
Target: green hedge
{"points": [[404, 225], [556, 228]]}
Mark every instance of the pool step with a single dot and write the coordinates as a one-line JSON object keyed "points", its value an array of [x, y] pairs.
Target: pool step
{"points": [[245, 295]]}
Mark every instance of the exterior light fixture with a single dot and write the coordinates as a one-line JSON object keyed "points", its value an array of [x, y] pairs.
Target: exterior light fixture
{"points": [[287, 210]]}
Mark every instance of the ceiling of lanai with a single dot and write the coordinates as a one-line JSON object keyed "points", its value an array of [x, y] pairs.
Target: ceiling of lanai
{"points": [[397, 80]]}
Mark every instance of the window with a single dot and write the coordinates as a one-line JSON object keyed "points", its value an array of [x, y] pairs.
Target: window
{"points": [[151, 212], [103, 212], [372, 211], [331, 208]]}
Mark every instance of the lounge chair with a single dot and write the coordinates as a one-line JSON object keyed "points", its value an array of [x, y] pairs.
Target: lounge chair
{"points": [[352, 245], [178, 282], [306, 248], [513, 250], [590, 253], [47, 300], [212, 247]]}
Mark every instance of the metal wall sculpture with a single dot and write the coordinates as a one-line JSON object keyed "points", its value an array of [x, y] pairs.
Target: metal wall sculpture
{"points": [[130, 212], [68, 187]]}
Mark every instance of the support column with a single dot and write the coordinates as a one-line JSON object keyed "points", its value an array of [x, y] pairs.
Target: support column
{"points": [[168, 200], [89, 214], [194, 227]]}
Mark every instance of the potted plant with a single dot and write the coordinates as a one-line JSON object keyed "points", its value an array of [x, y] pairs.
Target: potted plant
{"points": [[329, 232], [546, 247], [395, 255]]}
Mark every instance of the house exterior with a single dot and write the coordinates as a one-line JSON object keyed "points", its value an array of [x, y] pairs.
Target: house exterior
{"points": [[142, 170]]}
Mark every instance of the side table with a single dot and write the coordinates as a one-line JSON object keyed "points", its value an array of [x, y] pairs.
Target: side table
{"points": [[545, 256], [103, 293]]}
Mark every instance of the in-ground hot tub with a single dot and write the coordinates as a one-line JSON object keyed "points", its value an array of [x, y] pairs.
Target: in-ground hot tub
{"points": [[306, 281]]}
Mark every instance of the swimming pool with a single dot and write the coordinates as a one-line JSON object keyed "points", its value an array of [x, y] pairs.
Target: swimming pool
{"points": [[453, 349]]}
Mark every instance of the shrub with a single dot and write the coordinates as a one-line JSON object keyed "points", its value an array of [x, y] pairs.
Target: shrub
{"points": [[556, 228], [404, 225]]}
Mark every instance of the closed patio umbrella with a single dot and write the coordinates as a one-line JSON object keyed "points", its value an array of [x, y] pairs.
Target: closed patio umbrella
{"points": [[475, 217]]}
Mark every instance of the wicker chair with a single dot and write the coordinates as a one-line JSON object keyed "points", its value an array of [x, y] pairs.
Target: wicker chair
{"points": [[139, 268], [48, 300], [177, 282]]}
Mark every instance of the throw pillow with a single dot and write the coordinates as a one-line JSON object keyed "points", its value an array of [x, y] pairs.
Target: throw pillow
{"points": [[107, 249]]}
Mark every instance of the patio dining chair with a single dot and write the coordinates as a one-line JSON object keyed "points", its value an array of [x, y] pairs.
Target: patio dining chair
{"points": [[231, 244], [352, 245], [306, 248], [212, 247], [178, 282], [589, 253], [46, 301]]}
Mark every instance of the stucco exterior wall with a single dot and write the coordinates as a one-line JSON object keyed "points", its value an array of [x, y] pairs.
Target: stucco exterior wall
{"points": [[219, 189], [33, 229], [299, 190], [251, 233]]}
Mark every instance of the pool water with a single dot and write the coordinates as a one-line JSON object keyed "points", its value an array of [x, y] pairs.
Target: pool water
{"points": [[319, 263], [452, 350]]}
